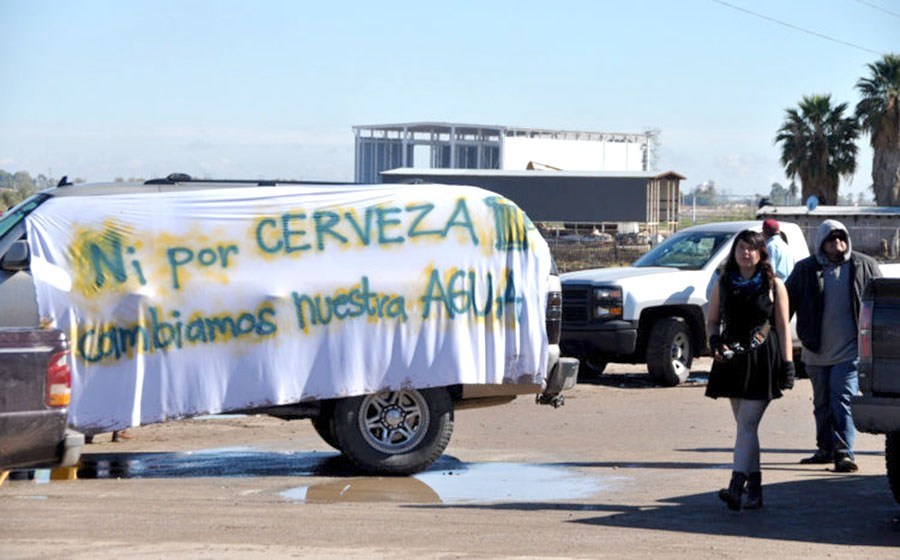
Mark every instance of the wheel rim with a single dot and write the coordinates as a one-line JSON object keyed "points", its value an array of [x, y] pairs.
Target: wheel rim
{"points": [[394, 421], [680, 348]]}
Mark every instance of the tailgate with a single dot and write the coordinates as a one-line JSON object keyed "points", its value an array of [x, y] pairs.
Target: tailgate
{"points": [[24, 357]]}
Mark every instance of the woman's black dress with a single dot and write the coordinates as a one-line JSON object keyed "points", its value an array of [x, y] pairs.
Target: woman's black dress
{"points": [[753, 374]]}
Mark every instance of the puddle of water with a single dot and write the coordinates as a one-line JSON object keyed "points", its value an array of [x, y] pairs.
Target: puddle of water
{"points": [[218, 416], [465, 483], [223, 462], [37, 476], [448, 481], [517, 482], [368, 489]]}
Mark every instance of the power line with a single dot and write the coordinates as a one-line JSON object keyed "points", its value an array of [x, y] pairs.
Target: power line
{"points": [[779, 22], [871, 5]]}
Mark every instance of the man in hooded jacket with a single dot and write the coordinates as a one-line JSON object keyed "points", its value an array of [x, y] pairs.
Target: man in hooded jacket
{"points": [[825, 290]]}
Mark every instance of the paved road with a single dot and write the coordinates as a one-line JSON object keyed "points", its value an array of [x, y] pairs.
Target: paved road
{"points": [[624, 470]]}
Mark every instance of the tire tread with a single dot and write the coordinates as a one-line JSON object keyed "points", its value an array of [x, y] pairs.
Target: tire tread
{"points": [[659, 359]]}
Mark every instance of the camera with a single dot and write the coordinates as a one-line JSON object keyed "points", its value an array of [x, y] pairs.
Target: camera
{"points": [[733, 350]]}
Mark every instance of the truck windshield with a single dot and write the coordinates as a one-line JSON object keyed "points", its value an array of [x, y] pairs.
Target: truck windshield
{"points": [[687, 251], [15, 214]]}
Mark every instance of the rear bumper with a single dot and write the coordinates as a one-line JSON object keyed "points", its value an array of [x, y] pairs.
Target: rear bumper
{"points": [[877, 415], [563, 376], [38, 439]]}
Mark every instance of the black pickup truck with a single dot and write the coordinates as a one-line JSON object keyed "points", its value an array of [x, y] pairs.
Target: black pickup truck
{"points": [[877, 409], [35, 389]]}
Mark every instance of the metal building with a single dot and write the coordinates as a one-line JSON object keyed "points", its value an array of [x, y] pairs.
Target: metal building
{"points": [[571, 196], [874, 230], [433, 145]]}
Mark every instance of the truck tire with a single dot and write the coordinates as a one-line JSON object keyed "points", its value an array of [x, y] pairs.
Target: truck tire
{"points": [[669, 352], [394, 432], [892, 460], [591, 367], [324, 425]]}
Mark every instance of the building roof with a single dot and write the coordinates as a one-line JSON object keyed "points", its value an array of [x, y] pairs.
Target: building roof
{"points": [[413, 172], [428, 126], [468, 128], [887, 211]]}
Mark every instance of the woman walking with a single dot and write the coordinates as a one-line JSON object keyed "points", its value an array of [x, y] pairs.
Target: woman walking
{"points": [[750, 339]]}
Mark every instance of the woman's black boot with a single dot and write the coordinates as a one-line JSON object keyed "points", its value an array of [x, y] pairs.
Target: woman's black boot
{"points": [[732, 495], [754, 491]]}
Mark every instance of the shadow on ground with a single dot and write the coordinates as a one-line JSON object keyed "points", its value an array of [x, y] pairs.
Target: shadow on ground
{"points": [[852, 510], [640, 380], [843, 510], [833, 509]]}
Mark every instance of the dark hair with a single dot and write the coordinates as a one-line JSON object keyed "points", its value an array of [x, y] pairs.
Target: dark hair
{"points": [[757, 242]]}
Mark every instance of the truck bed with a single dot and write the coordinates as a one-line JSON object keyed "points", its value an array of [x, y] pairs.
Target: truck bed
{"points": [[32, 432]]}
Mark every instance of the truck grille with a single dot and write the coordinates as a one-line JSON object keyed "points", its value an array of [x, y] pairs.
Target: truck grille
{"points": [[576, 305]]}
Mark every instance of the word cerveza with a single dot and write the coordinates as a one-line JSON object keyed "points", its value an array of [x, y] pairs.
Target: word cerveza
{"points": [[109, 256], [450, 295]]}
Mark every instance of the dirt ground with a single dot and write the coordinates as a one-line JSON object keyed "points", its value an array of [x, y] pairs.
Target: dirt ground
{"points": [[624, 470]]}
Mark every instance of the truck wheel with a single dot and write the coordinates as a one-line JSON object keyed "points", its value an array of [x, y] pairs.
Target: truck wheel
{"points": [[892, 460], [324, 425], [591, 367], [669, 353], [394, 432]]}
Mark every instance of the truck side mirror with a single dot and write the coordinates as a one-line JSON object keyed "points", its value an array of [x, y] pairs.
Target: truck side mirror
{"points": [[17, 258]]}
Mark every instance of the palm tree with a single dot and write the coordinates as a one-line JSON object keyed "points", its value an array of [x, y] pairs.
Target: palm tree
{"points": [[879, 114], [819, 146]]}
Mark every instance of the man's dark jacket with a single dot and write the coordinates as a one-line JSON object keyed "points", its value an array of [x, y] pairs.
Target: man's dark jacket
{"points": [[806, 291]]}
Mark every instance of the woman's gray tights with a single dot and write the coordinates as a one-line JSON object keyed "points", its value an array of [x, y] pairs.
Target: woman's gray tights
{"points": [[747, 414]]}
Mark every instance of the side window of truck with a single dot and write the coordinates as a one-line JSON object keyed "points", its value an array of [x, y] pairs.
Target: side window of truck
{"points": [[17, 293], [16, 214]]}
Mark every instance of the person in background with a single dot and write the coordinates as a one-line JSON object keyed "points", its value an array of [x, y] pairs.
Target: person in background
{"points": [[780, 256], [117, 436], [824, 290], [122, 435], [751, 341]]}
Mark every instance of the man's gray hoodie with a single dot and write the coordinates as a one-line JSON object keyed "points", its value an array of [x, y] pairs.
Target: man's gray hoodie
{"points": [[825, 229], [806, 288]]}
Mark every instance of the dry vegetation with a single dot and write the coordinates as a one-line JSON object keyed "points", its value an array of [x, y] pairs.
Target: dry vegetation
{"points": [[594, 254]]}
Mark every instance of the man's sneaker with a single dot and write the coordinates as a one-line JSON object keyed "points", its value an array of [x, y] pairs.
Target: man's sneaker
{"points": [[819, 458], [845, 465]]}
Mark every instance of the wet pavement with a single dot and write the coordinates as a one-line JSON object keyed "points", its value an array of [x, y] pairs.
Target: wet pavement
{"points": [[624, 470], [448, 481]]}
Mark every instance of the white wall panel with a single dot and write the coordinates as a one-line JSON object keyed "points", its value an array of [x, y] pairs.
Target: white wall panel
{"points": [[572, 155]]}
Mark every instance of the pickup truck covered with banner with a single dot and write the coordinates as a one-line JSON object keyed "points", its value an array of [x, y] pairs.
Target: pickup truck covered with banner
{"points": [[371, 309]]}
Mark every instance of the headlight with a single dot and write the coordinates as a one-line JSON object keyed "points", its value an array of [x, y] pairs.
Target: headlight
{"points": [[608, 293], [607, 303]]}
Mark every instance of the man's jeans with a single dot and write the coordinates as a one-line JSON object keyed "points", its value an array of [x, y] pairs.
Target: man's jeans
{"points": [[833, 387]]}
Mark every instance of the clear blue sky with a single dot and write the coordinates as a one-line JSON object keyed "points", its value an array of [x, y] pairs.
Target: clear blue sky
{"points": [[237, 89]]}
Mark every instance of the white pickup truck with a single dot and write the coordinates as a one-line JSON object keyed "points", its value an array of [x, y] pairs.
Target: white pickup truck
{"points": [[654, 311]]}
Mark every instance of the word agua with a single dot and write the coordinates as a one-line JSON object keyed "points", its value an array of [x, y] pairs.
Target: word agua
{"points": [[453, 294]]}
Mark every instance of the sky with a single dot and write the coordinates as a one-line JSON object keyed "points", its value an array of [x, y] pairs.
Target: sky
{"points": [[101, 89]]}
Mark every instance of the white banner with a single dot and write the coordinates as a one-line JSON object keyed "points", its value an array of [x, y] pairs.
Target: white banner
{"points": [[185, 303]]}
